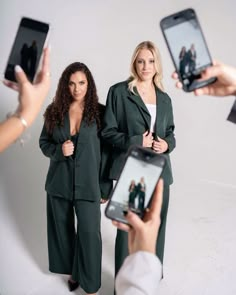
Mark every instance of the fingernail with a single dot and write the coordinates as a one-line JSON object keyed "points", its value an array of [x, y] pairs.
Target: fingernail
{"points": [[18, 69]]}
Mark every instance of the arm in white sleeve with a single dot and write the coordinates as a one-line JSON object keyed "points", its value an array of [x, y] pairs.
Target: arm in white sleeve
{"points": [[140, 274]]}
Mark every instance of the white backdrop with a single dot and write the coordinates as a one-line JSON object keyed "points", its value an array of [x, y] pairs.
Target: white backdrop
{"points": [[103, 35]]}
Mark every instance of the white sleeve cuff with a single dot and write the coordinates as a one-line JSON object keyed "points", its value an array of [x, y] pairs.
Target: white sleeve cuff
{"points": [[140, 274]]}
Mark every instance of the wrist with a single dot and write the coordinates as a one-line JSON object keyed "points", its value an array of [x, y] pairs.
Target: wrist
{"points": [[22, 119], [27, 116], [144, 246], [147, 248]]}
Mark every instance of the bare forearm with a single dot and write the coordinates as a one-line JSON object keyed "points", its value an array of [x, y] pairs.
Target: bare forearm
{"points": [[10, 130]]}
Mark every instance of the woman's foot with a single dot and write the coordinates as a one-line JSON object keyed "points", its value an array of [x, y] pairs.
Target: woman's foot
{"points": [[72, 285]]}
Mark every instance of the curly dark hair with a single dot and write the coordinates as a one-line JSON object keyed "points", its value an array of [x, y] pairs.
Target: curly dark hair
{"points": [[55, 112]]}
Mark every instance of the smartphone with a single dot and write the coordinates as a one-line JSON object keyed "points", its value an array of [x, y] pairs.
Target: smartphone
{"points": [[27, 48], [232, 114], [136, 183], [187, 47]]}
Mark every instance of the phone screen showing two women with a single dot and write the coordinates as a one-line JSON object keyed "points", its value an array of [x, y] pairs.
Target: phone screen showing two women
{"points": [[188, 48], [134, 188]]}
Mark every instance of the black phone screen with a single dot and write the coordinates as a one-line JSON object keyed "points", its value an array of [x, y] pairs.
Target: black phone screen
{"points": [[187, 46], [135, 186], [27, 48]]}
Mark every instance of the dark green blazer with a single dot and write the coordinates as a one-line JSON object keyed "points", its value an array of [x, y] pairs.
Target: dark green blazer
{"points": [[82, 173], [127, 118]]}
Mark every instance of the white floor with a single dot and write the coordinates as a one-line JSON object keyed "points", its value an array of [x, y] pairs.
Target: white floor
{"points": [[200, 256]]}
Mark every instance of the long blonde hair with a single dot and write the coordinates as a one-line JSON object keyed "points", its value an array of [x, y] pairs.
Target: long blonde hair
{"points": [[157, 79]]}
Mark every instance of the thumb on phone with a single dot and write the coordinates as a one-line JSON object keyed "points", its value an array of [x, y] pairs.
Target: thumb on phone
{"points": [[134, 220], [20, 75]]}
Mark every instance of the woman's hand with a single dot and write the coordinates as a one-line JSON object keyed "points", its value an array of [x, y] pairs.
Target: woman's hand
{"points": [[103, 201], [68, 148], [142, 234], [159, 146], [147, 139], [225, 84]]}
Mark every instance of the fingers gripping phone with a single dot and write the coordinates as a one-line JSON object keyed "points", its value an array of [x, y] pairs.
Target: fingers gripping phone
{"points": [[136, 183], [187, 47], [27, 48]]}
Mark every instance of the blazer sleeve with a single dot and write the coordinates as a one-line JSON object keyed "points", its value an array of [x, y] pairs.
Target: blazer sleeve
{"points": [[140, 274], [106, 184], [170, 137], [111, 133], [49, 148]]}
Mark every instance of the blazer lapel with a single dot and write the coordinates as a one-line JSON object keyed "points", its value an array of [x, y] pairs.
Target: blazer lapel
{"points": [[141, 106], [62, 133], [65, 130], [82, 138], [83, 132], [159, 110]]}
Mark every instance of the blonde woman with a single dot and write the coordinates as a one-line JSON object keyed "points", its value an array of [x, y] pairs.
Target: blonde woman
{"points": [[138, 111]]}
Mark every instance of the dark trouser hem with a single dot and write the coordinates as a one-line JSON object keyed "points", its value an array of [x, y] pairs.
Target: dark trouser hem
{"points": [[90, 290], [61, 272]]}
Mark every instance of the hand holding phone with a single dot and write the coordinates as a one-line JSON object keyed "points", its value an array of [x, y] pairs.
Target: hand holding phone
{"points": [[136, 183], [31, 98], [143, 233], [27, 48], [187, 47]]}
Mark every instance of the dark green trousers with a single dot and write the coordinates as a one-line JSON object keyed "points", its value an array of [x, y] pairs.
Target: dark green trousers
{"points": [[121, 245], [75, 252]]}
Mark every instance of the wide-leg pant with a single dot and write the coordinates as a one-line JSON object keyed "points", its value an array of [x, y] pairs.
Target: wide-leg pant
{"points": [[75, 252], [121, 245]]}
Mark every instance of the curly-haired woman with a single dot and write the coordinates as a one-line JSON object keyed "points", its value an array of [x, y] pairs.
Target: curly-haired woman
{"points": [[70, 138]]}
